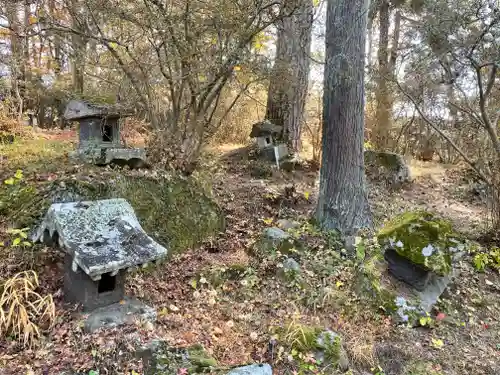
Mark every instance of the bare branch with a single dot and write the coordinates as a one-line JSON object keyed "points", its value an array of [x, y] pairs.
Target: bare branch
{"points": [[442, 134]]}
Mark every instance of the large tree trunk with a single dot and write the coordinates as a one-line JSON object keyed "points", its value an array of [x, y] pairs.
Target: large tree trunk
{"points": [[288, 86], [343, 203], [383, 116]]}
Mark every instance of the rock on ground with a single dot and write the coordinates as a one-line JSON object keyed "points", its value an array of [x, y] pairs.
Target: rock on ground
{"points": [[328, 341], [119, 314], [257, 369], [387, 165]]}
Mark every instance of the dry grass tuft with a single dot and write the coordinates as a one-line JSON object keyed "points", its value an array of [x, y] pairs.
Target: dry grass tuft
{"points": [[359, 344], [24, 312]]}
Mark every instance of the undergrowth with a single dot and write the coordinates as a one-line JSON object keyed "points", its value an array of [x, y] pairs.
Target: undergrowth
{"points": [[24, 313]]}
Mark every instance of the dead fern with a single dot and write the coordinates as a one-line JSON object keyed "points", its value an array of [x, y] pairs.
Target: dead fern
{"points": [[23, 312]]}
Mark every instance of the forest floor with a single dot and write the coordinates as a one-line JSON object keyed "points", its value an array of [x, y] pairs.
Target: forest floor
{"points": [[235, 317]]}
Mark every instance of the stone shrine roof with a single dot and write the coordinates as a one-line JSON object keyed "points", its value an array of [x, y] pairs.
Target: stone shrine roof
{"points": [[101, 236], [265, 128], [80, 109]]}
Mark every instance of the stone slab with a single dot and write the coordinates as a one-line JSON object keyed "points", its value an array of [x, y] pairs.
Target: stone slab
{"points": [[79, 109], [269, 153], [101, 236], [410, 300], [134, 157], [256, 369], [125, 154], [119, 314]]}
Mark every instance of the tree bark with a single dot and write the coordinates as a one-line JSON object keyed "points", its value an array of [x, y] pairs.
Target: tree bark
{"points": [[79, 46], [16, 64], [288, 85], [382, 95], [342, 203]]}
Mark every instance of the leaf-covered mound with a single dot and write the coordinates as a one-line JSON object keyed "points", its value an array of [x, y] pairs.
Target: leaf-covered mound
{"points": [[423, 238], [177, 211]]}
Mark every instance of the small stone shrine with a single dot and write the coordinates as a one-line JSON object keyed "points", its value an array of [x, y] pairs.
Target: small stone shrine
{"points": [[99, 134], [102, 240], [421, 250], [266, 135]]}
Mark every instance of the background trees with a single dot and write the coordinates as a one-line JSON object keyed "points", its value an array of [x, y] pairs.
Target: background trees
{"points": [[188, 69]]}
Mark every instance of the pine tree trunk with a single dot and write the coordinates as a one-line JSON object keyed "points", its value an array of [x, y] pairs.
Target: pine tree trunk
{"points": [[288, 86], [383, 115], [343, 203]]}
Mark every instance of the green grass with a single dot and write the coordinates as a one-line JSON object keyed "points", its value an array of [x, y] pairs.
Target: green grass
{"points": [[32, 155]]}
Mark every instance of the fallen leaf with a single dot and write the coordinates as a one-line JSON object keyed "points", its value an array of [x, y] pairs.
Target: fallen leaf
{"points": [[437, 343]]}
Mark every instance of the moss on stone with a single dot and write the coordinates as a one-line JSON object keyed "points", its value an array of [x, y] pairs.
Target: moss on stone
{"points": [[177, 211], [423, 238], [165, 360]]}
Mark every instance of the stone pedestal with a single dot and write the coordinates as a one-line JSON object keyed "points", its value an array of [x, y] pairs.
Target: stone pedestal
{"points": [[80, 288]]}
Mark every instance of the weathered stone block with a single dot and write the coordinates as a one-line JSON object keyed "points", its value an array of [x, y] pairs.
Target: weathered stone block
{"points": [[407, 271], [119, 314], [80, 288], [389, 165], [257, 369], [161, 359]]}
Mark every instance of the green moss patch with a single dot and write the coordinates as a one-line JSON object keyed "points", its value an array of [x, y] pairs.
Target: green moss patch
{"points": [[423, 238], [176, 211], [165, 360]]}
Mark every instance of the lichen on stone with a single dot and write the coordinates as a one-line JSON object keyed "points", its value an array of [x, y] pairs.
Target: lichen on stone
{"points": [[423, 238], [101, 236]]}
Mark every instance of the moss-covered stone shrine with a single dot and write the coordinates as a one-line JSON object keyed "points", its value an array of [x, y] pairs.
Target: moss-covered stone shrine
{"points": [[101, 239]]}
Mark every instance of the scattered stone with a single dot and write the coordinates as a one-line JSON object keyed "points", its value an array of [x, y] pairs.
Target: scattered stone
{"points": [[274, 233], [159, 358], [257, 369], [350, 244], [271, 241], [389, 166], [330, 350], [117, 314], [289, 270], [291, 265], [286, 224]]}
